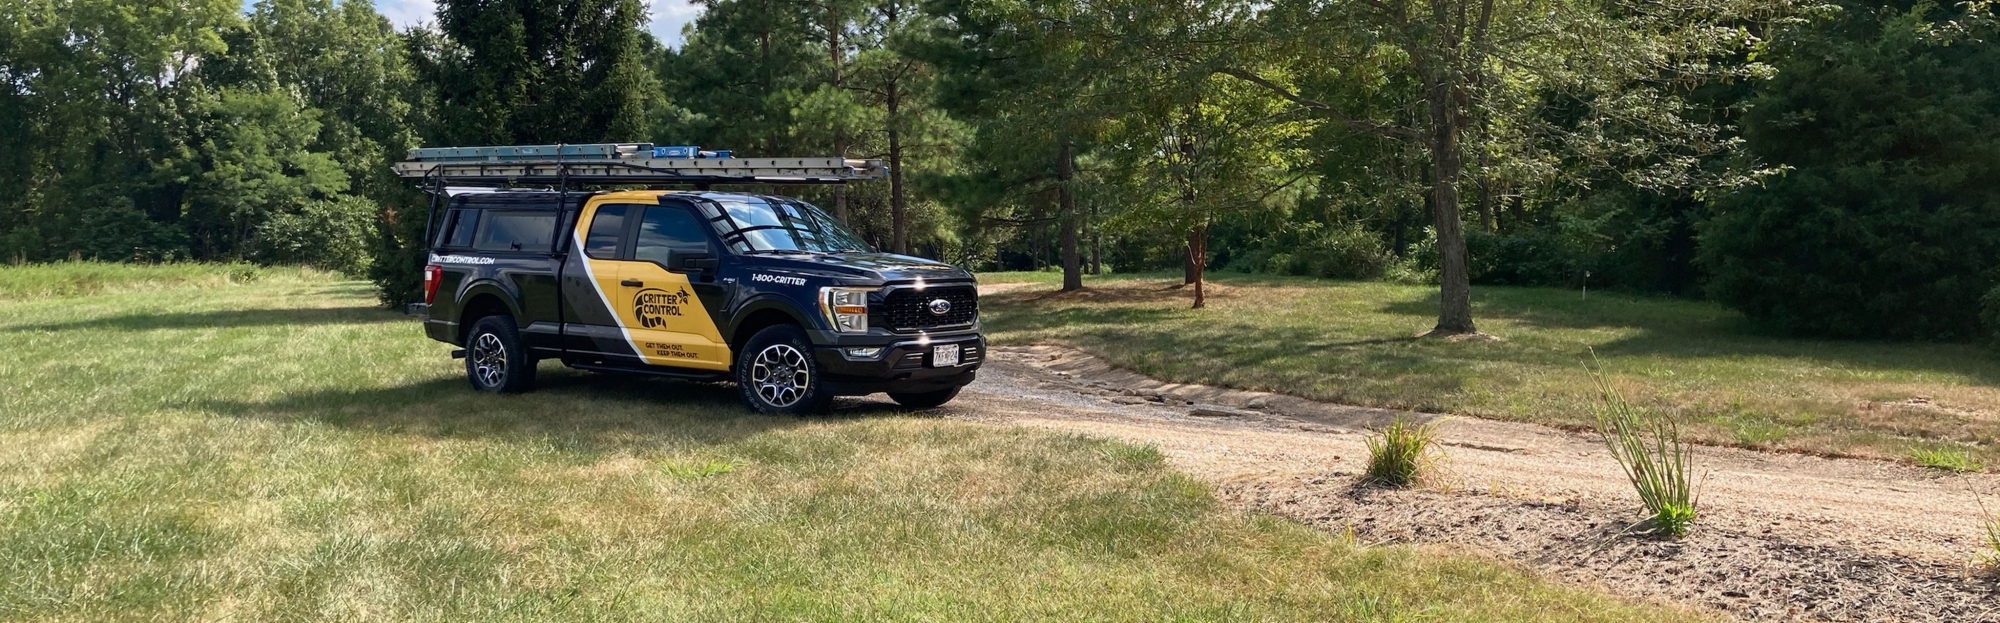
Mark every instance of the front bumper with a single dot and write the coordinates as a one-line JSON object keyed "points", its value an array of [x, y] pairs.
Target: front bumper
{"points": [[903, 366]]}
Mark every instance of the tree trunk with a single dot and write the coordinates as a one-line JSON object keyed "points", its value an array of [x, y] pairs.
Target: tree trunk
{"points": [[1198, 250], [1096, 242], [1447, 156], [899, 219], [1072, 262], [835, 24], [1190, 270]]}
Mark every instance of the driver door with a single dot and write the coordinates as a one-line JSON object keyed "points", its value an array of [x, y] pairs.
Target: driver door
{"points": [[668, 290]]}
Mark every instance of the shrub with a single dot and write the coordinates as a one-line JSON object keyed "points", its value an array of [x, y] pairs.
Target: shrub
{"points": [[1340, 252], [1887, 223], [1989, 314], [336, 234], [1401, 453], [1648, 446]]}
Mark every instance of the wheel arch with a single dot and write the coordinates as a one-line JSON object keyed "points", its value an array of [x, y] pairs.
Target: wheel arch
{"points": [[482, 300], [759, 315]]}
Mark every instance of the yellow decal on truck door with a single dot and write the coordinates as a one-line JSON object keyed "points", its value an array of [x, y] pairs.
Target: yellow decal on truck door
{"points": [[660, 312]]}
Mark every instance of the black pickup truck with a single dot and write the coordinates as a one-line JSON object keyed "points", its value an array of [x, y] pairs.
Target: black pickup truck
{"points": [[771, 292]]}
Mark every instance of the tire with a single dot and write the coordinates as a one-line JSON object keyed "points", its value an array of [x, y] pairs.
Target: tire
{"points": [[924, 400], [776, 373], [495, 363]]}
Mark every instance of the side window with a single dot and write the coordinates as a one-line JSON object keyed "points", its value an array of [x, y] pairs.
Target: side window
{"points": [[607, 228], [458, 229], [665, 230], [515, 231]]}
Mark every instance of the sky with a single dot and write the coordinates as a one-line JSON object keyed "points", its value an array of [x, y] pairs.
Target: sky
{"points": [[667, 15]]}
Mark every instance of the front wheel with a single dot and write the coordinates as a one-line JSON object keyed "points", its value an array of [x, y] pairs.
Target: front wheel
{"points": [[924, 400], [776, 373], [494, 359]]}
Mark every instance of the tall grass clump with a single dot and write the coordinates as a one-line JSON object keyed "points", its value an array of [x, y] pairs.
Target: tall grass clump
{"points": [[1400, 453], [1649, 447], [1992, 553], [1946, 459]]}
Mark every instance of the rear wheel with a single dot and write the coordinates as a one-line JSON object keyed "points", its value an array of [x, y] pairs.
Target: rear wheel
{"points": [[924, 400], [776, 373], [494, 360]]}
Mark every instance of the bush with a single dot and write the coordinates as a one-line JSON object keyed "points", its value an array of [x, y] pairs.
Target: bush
{"points": [[1989, 314], [1530, 258], [335, 234], [1888, 223], [1400, 453], [1311, 249]]}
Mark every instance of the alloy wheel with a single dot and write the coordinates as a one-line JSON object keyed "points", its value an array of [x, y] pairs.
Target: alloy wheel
{"points": [[489, 360], [781, 375]]}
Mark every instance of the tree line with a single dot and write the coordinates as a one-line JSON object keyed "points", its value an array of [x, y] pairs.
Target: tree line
{"points": [[1822, 166]]}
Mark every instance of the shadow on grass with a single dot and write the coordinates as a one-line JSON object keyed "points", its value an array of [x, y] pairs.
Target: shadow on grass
{"points": [[584, 410], [224, 319], [1682, 329]]}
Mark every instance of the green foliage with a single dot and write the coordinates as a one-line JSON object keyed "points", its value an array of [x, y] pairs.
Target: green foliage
{"points": [[334, 235], [1401, 453], [1887, 223], [1648, 447], [1944, 458], [528, 72], [1311, 249], [1989, 314]]}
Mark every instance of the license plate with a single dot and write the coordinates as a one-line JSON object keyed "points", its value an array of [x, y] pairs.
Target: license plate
{"points": [[944, 356]]}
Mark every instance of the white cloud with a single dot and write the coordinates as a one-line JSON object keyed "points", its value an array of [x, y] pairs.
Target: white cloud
{"points": [[667, 16], [407, 13]]}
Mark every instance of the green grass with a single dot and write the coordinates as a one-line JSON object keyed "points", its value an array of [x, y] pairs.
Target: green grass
{"points": [[33, 281], [1947, 459], [1352, 342], [1401, 453], [283, 450]]}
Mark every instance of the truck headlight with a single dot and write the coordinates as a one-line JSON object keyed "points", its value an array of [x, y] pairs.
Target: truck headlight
{"points": [[846, 309]]}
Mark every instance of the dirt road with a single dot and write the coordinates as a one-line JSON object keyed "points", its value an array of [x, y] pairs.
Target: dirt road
{"points": [[1782, 537]]}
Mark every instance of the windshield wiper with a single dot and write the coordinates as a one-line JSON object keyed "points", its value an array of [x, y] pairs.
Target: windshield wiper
{"points": [[781, 252]]}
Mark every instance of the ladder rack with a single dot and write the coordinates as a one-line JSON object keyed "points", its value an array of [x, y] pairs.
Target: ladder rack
{"points": [[623, 164]]}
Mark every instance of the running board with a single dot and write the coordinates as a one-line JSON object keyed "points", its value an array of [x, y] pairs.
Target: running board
{"points": [[650, 371]]}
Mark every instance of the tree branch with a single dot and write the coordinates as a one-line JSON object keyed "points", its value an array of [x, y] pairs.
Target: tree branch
{"points": [[1363, 126]]}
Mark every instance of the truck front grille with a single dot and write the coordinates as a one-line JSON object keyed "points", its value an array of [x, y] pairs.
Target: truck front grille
{"points": [[910, 309]]}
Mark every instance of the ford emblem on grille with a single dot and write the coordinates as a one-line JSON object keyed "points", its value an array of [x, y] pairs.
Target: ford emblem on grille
{"points": [[940, 307]]}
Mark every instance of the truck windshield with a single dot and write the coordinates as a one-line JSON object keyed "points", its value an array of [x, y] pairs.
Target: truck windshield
{"points": [[783, 225]]}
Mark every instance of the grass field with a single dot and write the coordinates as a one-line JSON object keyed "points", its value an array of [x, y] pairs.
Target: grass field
{"points": [[1351, 342], [280, 449], [32, 281]]}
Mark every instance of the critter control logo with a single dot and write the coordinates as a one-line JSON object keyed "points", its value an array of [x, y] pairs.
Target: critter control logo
{"points": [[653, 305]]}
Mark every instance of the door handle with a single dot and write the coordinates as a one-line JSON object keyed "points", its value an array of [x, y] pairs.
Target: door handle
{"points": [[632, 283]]}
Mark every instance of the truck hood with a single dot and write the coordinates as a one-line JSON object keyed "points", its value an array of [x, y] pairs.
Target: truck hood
{"points": [[864, 267]]}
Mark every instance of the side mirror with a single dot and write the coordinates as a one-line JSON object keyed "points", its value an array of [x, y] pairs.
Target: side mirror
{"points": [[703, 262]]}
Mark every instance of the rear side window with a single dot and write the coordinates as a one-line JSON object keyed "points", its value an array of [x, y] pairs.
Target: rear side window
{"points": [[607, 229], [665, 230], [459, 228], [515, 231]]}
